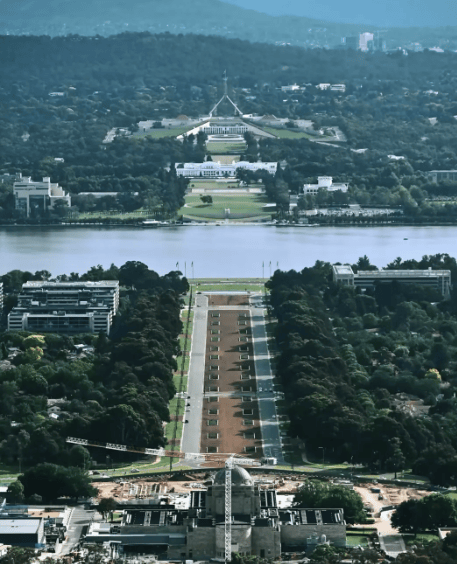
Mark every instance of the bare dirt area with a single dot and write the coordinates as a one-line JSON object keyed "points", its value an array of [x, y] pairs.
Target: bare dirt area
{"points": [[137, 489], [391, 495], [230, 411]]}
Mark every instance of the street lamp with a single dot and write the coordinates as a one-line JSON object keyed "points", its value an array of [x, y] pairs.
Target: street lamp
{"points": [[323, 456]]}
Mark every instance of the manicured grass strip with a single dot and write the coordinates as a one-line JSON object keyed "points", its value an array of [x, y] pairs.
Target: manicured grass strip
{"points": [[177, 402], [287, 134], [356, 540], [177, 381], [241, 206], [169, 431]]}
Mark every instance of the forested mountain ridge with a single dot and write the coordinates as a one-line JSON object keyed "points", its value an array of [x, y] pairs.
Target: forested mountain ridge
{"points": [[90, 17], [208, 17]]}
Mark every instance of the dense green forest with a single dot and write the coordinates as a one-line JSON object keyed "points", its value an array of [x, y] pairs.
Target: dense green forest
{"points": [[61, 96], [119, 393], [370, 376]]}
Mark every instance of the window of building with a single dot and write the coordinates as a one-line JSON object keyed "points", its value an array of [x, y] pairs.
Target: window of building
{"points": [[246, 389], [215, 332], [214, 356], [212, 449], [215, 339], [245, 376], [213, 412], [213, 435], [244, 357], [212, 389], [214, 314], [248, 422], [242, 339], [243, 331], [250, 449], [213, 399], [213, 376], [213, 348], [213, 367], [249, 435], [212, 422], [242, 322], [248, 411], [243, 348], [215, 322]]}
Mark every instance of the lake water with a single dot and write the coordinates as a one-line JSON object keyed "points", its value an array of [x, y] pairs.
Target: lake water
{"points": [[216, 251]]}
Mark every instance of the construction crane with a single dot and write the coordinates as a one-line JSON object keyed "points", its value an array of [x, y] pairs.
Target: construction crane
{"points": [[230, 460]]}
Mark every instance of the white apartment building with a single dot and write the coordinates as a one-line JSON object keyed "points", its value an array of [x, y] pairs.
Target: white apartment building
{"points": [[211, 169], [324, 183], [38, 196], [65, 307]]}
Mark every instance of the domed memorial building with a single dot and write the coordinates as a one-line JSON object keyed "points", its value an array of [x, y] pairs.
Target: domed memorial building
{"points": [[259, 527]]}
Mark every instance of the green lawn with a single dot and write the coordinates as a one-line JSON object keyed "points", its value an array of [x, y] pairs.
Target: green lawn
{"points": [[213, 185], [181, 406], [225, 147], [287, 134], [420, 537], [356, 540], [247, 206], [177, 380]]}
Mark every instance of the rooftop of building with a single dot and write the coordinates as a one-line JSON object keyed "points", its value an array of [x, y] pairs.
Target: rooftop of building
{"points": [[403, 273], [240, 476], [19, 526], [300, 516], [342, 269], [75, 285]]}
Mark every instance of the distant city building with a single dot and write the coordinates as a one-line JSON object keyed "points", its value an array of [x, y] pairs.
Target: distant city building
{"points": [[364, 40], [65, 307], [438, 279], [440, 175], [324, 183], [1, 298], [211, 169], [38, 196]]}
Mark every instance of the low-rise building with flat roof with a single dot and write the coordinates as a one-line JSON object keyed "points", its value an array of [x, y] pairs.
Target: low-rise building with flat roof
{"points": [[22, 532], [438, 279], [324, 183], [65, 307]]}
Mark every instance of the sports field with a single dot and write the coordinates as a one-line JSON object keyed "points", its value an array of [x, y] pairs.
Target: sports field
{"points": [[242, 207]]}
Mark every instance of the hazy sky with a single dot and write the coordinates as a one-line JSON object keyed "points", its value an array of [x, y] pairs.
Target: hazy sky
{"points": [[375, 12]]}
